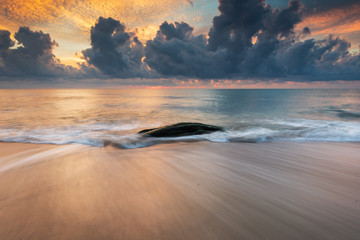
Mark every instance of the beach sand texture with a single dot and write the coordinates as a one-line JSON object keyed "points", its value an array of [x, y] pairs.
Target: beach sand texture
{"points": [[180, 191]]}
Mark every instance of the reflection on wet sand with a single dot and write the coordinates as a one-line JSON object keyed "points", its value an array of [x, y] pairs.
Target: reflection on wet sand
{"points": [[180, 191]]}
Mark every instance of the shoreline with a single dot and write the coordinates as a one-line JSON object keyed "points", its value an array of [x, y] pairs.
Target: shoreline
{"points": [[197, 190]]}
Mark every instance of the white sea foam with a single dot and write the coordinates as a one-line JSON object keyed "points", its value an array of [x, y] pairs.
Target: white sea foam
{"points": [[125, 136]]}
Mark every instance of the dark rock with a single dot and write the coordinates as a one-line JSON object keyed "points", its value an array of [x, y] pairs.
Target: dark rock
{"points": [[180, 130]]}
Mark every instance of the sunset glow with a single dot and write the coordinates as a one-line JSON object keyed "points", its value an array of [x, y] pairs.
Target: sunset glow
{"points": [[341, 22], [71, 23], [179, 119]]}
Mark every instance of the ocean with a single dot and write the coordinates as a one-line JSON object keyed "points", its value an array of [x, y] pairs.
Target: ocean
{"points": [[100, 116]]}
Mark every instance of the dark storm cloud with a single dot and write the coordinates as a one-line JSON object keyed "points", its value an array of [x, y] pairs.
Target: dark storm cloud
{"points": [[237, 23], [229, 50], [283, 22], [179, 30], [250, 39], [34, 44], [306, 31], [313, 57], [176, 52], [33, 57], [5, 40], [114, 51]]}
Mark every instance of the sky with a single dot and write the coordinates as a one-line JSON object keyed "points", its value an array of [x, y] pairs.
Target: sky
{"points": [[179, 43]]}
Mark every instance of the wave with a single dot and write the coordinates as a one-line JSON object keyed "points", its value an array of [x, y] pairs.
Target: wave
{"points": [[125, 135]]}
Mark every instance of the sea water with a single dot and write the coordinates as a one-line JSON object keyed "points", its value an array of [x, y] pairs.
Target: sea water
{"points": [[101, 116]]}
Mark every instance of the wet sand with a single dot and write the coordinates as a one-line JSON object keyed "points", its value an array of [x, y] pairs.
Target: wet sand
{"points": [[180, 191]]}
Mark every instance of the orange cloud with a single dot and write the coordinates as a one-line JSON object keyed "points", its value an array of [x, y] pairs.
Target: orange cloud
{"points": [[74, 18], [29, 11], [341, 22], [84, 13]]}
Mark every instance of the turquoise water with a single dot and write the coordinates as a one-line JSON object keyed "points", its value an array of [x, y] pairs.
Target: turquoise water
{"points": [[96, 116]]}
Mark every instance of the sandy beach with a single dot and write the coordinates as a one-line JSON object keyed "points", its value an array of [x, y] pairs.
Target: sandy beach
{"points": [[180, 191]]}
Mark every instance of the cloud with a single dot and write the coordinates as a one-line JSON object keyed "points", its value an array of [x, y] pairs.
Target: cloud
{"points": [[306, 31], [229, 51], [5, 41], [250, 39], [114, 51], [176, 52], [179, 30], [313, 57], [32, 58]]}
